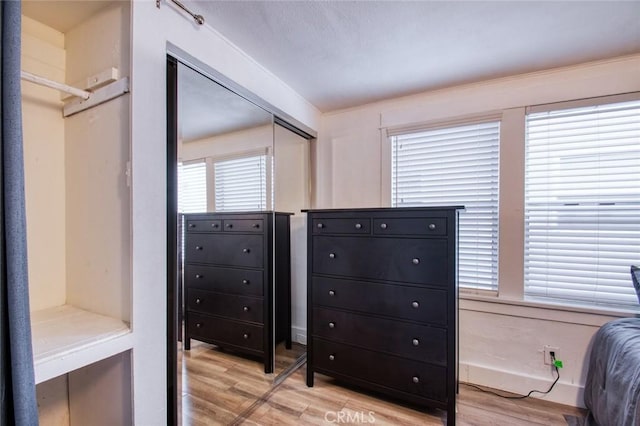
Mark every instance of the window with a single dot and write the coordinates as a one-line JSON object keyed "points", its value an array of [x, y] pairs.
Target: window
{"points": [[192, 193], [455, 166], [192, 187], [241, 184], [582, 203]]}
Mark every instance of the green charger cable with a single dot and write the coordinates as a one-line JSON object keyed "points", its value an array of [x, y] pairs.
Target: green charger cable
{"points": [[557, 365]]}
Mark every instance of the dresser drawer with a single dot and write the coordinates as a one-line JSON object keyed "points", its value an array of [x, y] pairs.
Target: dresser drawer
{"points": [[221, 331], [411, 303], [420, 261], [225, 280], [203, 225], [342, 226], [408, 340], [410, 226], [425, 380], [225, 305], [243, 225], [223, 249]]}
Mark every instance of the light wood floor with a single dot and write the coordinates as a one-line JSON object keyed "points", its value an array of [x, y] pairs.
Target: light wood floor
{"points": [[218, 387]]}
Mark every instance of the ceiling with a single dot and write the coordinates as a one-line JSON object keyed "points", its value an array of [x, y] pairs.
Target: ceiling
{"points": [[207, 109], [339, 54], [62, 15]]}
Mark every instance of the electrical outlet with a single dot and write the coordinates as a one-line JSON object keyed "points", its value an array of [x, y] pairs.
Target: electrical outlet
{"points": [[547, 354]]}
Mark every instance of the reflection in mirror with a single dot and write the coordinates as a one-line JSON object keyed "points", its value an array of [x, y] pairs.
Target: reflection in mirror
{"points": [[225, 202], [292, 194]]}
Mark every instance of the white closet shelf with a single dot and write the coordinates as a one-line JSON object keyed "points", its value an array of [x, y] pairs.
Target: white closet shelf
{"points": [[66, 338]]}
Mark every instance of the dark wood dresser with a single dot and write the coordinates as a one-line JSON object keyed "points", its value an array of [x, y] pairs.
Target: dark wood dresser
{"points": [[229, 261], [382, 301]]}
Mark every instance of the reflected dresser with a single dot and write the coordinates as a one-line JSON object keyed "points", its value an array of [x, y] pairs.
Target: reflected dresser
{"points": [[382, 301], [229, 265]]}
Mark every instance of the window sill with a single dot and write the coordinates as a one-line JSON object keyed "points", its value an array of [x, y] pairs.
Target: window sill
{"points": [[492, 303]]}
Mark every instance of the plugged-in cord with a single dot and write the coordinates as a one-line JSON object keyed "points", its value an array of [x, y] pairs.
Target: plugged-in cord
{"points": [[553, 359]]}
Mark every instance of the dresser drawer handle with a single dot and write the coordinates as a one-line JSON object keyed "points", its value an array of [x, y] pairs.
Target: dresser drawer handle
{"points": [[332, 357], [214, 225], [198, 276], [256, 225], [332, 293], [229, 225], [415, 261], [245, 308], [198, 325], [383, 225], [432, 226], [246, 282], [245, 336], [415, 342], [332, 255], [192, 225], [246, 250], [320, 225], [198, 301], [415, 304], [332, 325], [416, 379], [199, 248], [358, 225]]}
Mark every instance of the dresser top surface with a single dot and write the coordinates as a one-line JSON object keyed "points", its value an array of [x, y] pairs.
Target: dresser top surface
{"points": [[385, 209], [236, 214]]}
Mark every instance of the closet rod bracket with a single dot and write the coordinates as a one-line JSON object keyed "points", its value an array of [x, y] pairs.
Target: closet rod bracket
{"points": [[99, 96]]}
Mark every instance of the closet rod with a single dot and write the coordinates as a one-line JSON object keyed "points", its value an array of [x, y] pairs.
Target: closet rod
{"points": [[55, 85]]}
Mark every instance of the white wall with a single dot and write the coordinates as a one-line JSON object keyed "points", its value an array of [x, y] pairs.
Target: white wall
{"points": [[501, 338], [53, 402], [152, 29], [97, 151], [228, 144], [44, 157]]}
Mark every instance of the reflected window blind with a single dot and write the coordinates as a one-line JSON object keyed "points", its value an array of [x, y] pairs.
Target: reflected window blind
{"points": [[192, 187], [455, 166], [241, 184], [582, 204]]}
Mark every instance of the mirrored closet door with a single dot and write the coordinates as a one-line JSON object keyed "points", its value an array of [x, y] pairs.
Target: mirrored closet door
{"points": [[292, 194], [240, 181]]}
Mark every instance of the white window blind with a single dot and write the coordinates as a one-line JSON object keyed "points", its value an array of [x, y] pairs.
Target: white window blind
{"points": [[582, 204], [455, 166], [241, 184], [192, 187]]}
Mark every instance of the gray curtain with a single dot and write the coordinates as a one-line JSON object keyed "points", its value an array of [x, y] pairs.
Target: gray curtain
{"points": [[17, 385]]}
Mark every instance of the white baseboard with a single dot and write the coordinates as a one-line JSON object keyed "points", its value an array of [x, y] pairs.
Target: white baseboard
{"points": [[299, 335], [562, 393]]}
